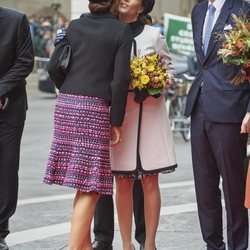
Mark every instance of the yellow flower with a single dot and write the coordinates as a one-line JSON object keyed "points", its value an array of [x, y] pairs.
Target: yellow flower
{"points": [[136, 83], [151, 67], [152, 57], [161, 77], [148, 71], [144, 79], [132, 66], [136, 71]]}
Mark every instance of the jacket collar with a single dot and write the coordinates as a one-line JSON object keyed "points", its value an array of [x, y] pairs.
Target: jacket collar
{"points": [[219, 25], [201, 19], [136, 28], [218, 4]]}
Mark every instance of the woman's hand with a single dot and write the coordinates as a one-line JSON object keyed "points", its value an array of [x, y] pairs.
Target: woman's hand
{"points": [[116, 135], [169, 83], [245, 126]]}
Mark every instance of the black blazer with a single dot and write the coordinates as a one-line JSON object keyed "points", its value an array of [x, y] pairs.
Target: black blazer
{"points": [[223, 102], [100, 61], [16, 62]]}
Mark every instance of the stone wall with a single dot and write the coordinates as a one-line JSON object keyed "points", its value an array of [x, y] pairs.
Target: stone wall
{"points": [[31, 6], [72, 8], [177, 7], [78, 7]]}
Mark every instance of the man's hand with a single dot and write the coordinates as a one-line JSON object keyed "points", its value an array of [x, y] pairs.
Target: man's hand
{"points": [[1, 104], [245, 126], [169, 83], [116, 135]]}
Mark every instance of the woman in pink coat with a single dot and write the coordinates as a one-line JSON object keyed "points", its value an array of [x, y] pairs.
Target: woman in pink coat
{"points": [[147, 146]]}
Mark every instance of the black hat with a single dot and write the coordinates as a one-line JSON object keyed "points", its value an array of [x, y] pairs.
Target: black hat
{"points": [[98, 1], [149, 5]]}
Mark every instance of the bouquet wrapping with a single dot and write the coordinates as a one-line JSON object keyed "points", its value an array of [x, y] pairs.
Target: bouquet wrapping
{"points": [[236, 47], [150, 74]]}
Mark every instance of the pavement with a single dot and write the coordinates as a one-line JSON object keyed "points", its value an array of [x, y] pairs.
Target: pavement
{"points": [[42, 219]]}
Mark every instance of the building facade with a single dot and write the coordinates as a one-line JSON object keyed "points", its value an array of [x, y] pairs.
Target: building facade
{"points": [[73, 8], [30, 7], [177, 7]]}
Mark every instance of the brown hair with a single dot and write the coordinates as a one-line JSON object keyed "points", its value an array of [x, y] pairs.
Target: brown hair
{"points": [[102, 7], [114, 8], [143, 18]]}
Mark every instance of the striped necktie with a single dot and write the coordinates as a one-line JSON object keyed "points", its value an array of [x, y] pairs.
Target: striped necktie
{"points": [[209, 26]]}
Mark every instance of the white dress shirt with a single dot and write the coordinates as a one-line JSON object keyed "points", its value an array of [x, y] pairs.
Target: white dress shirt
{"points": [[218, 4]]}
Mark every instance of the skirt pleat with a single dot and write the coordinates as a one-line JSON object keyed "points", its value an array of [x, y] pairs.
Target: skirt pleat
{"points": [[80, 150]]}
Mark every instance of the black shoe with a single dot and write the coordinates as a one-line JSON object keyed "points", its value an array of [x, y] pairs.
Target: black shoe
{"points": [[3, 245], [142, 246], [100, 245]]}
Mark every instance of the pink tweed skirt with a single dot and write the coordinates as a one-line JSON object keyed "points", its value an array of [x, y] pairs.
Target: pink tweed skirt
{"points": [[80, 152]]}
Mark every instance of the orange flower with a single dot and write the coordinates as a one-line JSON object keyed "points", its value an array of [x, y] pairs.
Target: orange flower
{"points": [[248, 26], [240, 43], [225, 45], [247, 65], [235, 47]]}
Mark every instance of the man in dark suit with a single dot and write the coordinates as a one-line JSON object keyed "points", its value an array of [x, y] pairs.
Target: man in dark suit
{"points": [[16, 62], [217, 109]]}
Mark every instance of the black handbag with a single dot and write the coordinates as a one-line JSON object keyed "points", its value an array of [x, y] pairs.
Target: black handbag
{"points": [[59, 63], [64, 59]]}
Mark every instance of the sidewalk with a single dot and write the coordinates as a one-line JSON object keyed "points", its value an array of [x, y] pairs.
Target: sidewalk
{"points": [[178, 231], [32, 80]]}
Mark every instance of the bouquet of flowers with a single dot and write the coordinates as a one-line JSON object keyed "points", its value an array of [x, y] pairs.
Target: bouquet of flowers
{"points": [[150, 75], [236, 47]]}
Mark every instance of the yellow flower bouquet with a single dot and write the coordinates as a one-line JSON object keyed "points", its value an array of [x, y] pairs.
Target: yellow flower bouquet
{"points": [[236, 47], [150, 74]]}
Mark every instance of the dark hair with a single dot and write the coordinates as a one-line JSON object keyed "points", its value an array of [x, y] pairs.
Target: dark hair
{"points": [[114, 8], [148, 7], [144, 19], [102, 7]]}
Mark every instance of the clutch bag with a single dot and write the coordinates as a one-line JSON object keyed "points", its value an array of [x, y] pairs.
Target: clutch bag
{"points": [[64, 59]]}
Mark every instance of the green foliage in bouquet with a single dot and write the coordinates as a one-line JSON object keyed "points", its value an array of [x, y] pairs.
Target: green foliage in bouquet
{"points": [[236, 47]]}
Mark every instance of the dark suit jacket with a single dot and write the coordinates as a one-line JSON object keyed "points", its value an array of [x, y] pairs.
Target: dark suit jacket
{"points": [[16, 62], [100, 61], [223, 102]]}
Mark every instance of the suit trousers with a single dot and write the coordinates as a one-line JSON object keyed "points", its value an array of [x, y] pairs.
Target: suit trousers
{"points": [[10, 139], [104, 216], [218, 151]]}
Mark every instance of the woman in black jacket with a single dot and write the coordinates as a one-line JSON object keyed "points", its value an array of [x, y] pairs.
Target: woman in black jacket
{"points": [[98, 77]]}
